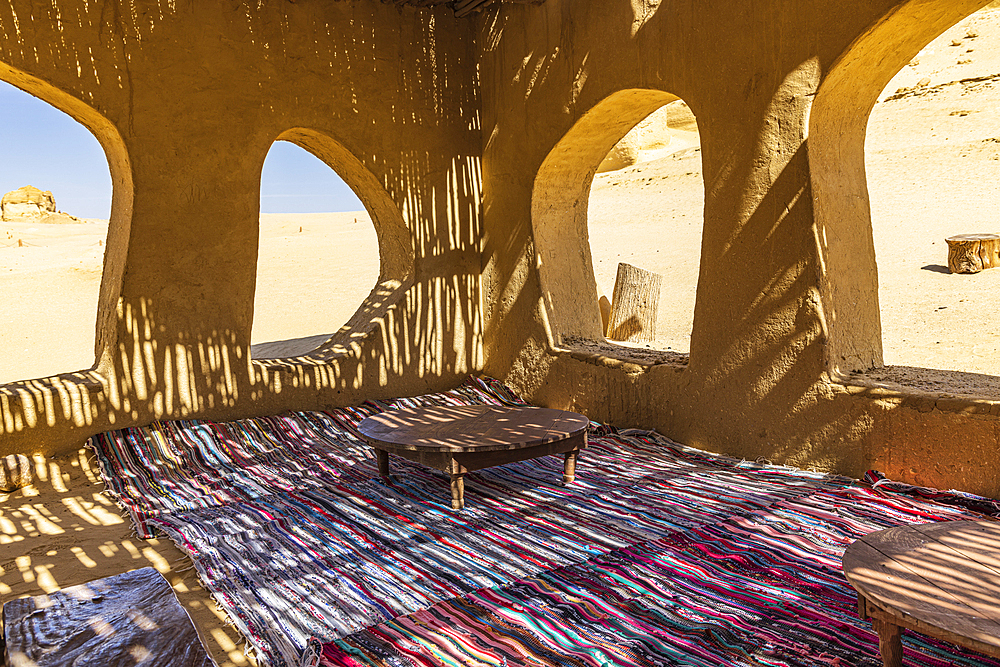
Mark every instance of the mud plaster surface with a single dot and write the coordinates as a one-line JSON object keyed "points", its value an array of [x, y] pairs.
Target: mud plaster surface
{"points": [[933, 164], [933, 171]]}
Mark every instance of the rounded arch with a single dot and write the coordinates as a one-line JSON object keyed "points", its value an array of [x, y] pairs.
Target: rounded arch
{"points": [[395, 248], [559, 210], [122, 195], [394, 244], [837, 128]]}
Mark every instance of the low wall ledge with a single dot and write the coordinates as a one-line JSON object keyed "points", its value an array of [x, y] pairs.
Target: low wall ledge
{"points": [[83, 382], [925, 389], [631, 360]]}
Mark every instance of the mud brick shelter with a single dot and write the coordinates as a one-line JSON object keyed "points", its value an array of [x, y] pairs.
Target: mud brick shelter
{"points": [[472, 131]]}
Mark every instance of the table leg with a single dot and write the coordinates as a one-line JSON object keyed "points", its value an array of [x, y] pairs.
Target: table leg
{"points": [[383, 463], [569, 468], [889, 642], [457, 491]]}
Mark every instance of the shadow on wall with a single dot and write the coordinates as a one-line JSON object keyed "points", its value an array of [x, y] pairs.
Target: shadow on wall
{"points": [[758, 340], [426, 328], [170, 346]]}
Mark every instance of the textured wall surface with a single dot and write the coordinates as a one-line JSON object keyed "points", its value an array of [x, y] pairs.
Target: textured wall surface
{"points": [[786, 320], [186, 99]]}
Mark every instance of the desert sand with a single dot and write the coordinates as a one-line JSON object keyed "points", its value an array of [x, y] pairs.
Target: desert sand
{"points": [[934, 171]]}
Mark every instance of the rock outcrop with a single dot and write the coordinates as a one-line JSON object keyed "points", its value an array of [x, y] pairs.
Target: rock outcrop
{"points": [[654, 132], [30, 203]]}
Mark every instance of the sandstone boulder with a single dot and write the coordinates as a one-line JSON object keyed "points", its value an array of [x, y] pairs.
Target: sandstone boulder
{"points": [[27, 202], [655, 131], [30, 203], [624, 154]]}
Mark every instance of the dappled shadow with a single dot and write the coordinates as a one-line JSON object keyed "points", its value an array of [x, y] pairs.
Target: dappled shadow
{"points": [[62, 531], [387, 96], [792, 354], [941, 579]]}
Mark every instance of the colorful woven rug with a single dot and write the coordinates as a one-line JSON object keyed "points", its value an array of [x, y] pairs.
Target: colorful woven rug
{"points": [[657, 555]]}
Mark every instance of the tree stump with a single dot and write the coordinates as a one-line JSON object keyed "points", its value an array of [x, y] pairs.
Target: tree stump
{"points": [[971, 253], [634, 305]]}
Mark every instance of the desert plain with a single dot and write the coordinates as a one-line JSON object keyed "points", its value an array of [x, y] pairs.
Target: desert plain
{"points": [[933, 163]]}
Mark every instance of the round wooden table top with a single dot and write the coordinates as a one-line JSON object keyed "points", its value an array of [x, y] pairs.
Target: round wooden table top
{"points": [[462, 428], [938, 576]]}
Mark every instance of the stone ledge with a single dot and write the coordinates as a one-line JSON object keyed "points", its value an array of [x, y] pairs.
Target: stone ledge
{"points": [[926, 389], [89, 382], [629, 359]]}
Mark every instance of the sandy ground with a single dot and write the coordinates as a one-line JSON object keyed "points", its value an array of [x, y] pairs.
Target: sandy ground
{"points": [[934, 171], [63, 531], [313, 271]]}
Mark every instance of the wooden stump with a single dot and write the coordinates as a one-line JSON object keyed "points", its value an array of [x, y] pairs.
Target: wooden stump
{"points": [[634, 305], [971, 253]]}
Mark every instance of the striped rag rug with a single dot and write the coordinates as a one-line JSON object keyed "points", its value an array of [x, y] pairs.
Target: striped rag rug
{"points": [[657, 554]]}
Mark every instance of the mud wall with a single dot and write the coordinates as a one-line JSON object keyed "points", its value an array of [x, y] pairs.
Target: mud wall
{"points": [[186, 99], [786, 321]]}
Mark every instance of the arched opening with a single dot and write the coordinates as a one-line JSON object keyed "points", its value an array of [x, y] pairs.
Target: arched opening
{"points": [[838, 125], [932, 155], [586, 223], [56, 183], [331, 242], [646, 210]]}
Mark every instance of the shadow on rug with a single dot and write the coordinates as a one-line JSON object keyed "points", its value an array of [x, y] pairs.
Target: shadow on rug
{"points": [[658, 554]]}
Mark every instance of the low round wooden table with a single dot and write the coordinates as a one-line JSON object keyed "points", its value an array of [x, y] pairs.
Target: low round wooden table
{"points": [[941, 579], [461, 439]]}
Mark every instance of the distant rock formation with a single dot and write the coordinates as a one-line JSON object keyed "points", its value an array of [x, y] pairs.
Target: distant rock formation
{"points": [[31, 204], [652, 133]]}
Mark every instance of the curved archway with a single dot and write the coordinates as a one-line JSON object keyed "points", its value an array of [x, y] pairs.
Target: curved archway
{"points": [[837, 130], [395, 250], [110, 258], [560, 210], [933, 169]]}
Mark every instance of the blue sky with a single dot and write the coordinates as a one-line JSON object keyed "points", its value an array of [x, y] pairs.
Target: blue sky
{"points": [[42, 146], [296, 181]]}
